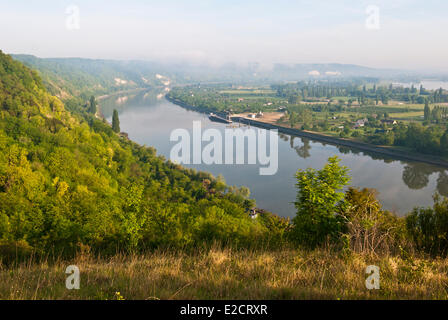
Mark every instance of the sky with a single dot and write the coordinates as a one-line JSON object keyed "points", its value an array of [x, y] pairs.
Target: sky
{"points": [[403, 34]]}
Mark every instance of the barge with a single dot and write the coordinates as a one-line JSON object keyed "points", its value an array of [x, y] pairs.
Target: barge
{"points": [[217, 118]]}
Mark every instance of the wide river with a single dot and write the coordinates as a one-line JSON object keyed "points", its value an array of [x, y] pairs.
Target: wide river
{"points": [[401, 185]]}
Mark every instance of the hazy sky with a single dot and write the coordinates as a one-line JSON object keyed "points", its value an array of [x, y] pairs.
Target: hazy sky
{"points": [[411, 34]]}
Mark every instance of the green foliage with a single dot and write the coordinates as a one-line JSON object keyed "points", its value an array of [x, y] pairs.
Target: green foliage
{"points": [[76, 77], [368, 227], [14, 251], [92, 105], [428, 227], [319, 198], [427, 111]]}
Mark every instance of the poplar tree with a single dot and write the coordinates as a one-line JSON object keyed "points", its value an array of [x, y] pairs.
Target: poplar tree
{"points": [[93, 104], [115, 122], [427, 112]]}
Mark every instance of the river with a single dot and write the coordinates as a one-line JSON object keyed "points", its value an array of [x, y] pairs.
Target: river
{"points": [[402, 185]]}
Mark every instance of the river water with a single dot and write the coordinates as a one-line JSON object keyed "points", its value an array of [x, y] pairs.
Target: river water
{"points": [[401, 185]]}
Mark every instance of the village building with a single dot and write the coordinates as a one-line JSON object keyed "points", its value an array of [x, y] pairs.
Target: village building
{"points": [[360, 123], [389, 121], [253, 213]]}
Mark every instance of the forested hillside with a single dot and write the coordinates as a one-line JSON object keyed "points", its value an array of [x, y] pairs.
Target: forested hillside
{"points": [[77, 77], [68, 181]]}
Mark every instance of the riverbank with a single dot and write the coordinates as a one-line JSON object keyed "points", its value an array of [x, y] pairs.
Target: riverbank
{"points": [[361, 146], [388, 151]]}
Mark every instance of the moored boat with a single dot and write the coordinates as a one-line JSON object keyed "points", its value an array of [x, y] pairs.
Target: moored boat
{"points": [[216, 118]]}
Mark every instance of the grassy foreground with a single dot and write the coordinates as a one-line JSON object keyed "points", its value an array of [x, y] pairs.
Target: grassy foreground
{"points": [[229, 274]]}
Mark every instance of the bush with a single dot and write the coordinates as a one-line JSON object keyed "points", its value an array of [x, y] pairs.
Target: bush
{"points": [[428, 227], [14, 251], [319, 199], [369, 228]]}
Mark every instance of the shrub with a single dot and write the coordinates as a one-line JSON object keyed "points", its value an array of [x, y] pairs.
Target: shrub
{"points": [[428, 227], [319, 198], [14, 251], [369, 228]]}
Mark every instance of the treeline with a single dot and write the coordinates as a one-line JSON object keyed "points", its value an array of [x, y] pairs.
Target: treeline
{"points": [[359, 92], [423, 139], [211, 98]]}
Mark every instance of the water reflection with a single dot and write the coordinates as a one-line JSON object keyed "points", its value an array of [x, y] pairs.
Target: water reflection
{"points": [[442, 184], [415, 175], [122, 101]]}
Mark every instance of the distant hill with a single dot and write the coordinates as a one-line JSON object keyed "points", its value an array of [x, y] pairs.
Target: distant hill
{"points": [[66, 77], [332, 70]]}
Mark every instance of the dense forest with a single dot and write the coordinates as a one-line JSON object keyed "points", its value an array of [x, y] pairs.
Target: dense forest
{"points": [[68, 180], [81, 78]]}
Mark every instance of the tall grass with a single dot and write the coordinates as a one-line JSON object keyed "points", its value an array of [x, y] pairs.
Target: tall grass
{"points": [[227, 273]]}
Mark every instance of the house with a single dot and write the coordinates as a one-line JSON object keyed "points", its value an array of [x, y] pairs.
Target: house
{"points": [[253, 213], [360, 123], [389, 121], [124, 135]]}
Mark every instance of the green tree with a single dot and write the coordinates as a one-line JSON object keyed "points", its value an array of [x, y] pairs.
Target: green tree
{"points": [[306, 117], [319, 200], [444, 143], [115, 122], [292, 118], [293, 99], [428, 227], [427, 114], [436, 114], [92, 105]]}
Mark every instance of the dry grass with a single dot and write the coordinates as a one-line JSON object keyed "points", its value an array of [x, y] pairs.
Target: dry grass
{"points": [[229, 274]]}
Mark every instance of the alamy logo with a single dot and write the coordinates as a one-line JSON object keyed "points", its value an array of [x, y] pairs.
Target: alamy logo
{"points": [[373, 17], [212, 153], [73, 280], [373, 280], [72, 21]]}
